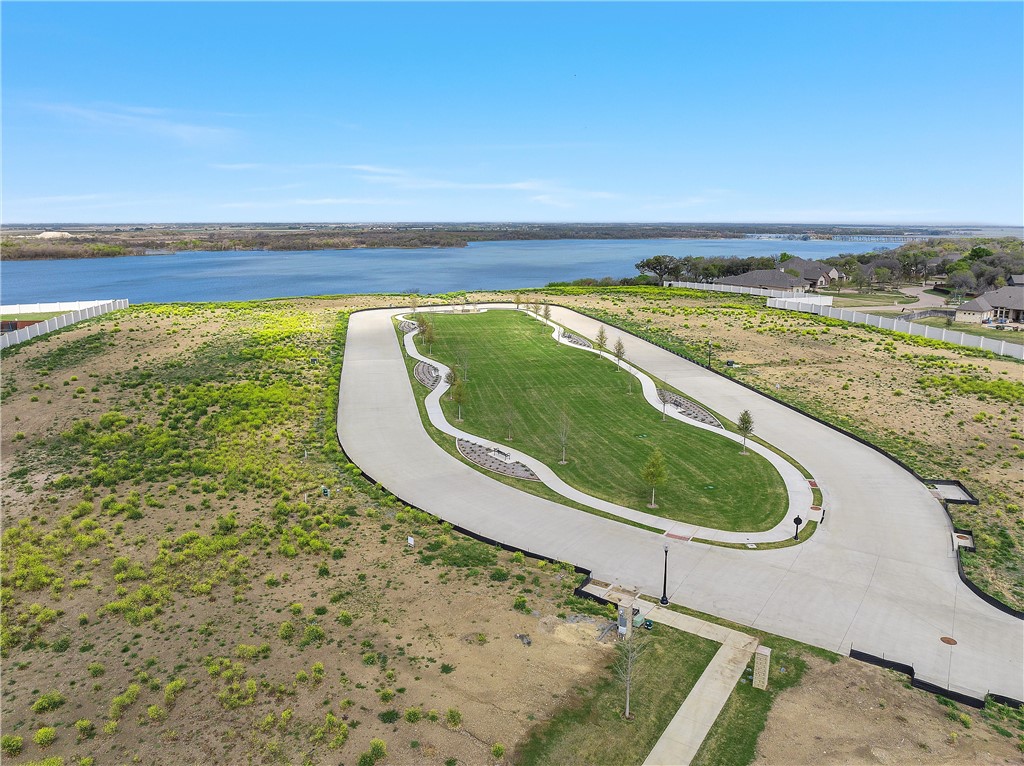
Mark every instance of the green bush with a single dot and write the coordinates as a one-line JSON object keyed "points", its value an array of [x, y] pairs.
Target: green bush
{"points": [[96, 669], [85, 728], [453, 718], [47, 702], [499, 575], [10, 744], [286, 632], [413, 714], [378, 749], [519, 604], [388, 716], [498, 750], [45, 736]]}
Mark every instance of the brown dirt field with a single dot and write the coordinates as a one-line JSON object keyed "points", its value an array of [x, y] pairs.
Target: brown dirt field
{"points": [[853, 714], [420, 616]]}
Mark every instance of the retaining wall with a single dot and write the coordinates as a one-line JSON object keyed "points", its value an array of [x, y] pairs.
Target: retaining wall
{"points": [[1001, 347], [76, 312]]}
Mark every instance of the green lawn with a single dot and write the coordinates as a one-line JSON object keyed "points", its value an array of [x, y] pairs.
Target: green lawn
{"points": [[985, 331], [591, 729], [516, 365], [874, 298], [38, 317]]}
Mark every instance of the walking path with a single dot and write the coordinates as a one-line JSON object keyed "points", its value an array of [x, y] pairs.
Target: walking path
{"points": [[797, 488], [880, 574], [686, 731]]}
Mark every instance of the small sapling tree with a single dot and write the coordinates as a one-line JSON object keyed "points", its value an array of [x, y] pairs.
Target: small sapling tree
{"points": [[745, 425], [414, 302], [451, 378], [620, 353], [428, 335], [509, 417], [564, 429], [602, 337], [547, 312], [629, 653], [654, 473], [458, 395]]}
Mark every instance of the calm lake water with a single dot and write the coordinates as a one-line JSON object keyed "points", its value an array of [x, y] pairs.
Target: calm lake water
{"points": [[246, 275]]}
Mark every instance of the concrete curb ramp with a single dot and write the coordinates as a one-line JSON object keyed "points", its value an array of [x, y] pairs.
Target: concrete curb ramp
{"points": [[880, 575]]}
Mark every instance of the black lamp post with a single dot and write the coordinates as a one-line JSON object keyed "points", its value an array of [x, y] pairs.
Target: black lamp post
{"points": [[709, 354], [798, 521], [664, 582]]}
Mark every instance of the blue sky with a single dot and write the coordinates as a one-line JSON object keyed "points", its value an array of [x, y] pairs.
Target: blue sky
{"points": [[803, 112]]}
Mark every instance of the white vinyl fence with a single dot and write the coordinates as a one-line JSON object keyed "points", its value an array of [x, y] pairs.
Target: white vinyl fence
{"points": [[825, 300], [1001, 347], [76, 312]]}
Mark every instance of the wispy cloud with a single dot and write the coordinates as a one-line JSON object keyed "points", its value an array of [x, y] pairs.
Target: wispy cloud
{"points": [[319, 201], [139, 119], [62, 199]]}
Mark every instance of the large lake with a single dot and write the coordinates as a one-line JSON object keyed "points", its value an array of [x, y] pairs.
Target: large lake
{"points": [[246, 275]]}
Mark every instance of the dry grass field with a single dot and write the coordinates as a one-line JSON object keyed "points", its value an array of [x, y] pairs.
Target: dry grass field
{"points": [[177, 589]]}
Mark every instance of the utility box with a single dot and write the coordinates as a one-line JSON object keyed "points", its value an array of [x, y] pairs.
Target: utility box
{"points": [[762, 659]]}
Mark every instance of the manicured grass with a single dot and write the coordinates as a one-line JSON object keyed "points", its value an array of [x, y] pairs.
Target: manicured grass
{"points": [[447, 443], [985, 331], [870, 299], [516, 365], [805, 534], [591, 729], [41, 316]]}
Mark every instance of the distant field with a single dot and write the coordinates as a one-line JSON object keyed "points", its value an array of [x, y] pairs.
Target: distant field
{"points": [[38, 317], [985, 331], [845, 300]]}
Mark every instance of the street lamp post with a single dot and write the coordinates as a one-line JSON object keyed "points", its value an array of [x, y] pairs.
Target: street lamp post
{"points": [[798, 521], [664, 582], [709, 354]]}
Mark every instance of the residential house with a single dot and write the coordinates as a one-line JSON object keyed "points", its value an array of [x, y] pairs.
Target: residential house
{"points": [[814, 273], [1003, 305], [766, 279]]}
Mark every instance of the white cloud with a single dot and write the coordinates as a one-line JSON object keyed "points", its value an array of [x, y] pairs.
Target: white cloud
{"points": [[142, 119]]}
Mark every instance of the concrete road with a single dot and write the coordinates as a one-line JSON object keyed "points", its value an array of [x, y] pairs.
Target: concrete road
{"points": [[879, 575]]}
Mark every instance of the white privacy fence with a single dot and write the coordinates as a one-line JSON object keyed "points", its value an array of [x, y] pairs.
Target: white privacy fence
{"points": [[76, 312], [1001, 347], [764, 293]]}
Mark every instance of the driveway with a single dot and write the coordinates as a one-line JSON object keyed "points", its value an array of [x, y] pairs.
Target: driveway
{"points": [[879, 575]]}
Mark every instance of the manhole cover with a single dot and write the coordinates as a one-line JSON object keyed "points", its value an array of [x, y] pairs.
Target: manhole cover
{"points": [[948, 640], [962, 537]]}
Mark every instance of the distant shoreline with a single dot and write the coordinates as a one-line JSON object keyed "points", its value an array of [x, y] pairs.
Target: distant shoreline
{"points": [[79, 242]]}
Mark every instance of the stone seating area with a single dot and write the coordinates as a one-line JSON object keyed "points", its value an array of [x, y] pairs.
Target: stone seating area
{"points": [[576, 340], [485, 458], [427, 374], [688, 408], [406, 326]]}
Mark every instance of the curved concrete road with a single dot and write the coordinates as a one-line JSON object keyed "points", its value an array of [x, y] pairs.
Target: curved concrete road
{"points": [[879, 575]]}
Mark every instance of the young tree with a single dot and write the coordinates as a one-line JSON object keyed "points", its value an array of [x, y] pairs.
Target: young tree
{"points": [[519, 300], [414, 303], [547, 312], [883, 275], [620, 353], [451, 378], [746, 427], [462, 360], [602, 337], [458, 395], [564, 429], [509, 417], [629, 653], [654, 473], [427, 331]]}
